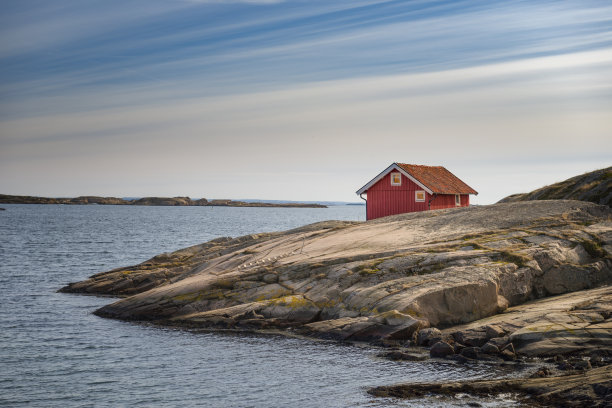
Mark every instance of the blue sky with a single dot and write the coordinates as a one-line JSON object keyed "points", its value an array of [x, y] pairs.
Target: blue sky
{"points": [[301, 100]]}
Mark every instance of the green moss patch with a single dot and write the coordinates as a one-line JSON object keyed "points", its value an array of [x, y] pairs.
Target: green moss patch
{"points": [[517, 259], [594, 248]]}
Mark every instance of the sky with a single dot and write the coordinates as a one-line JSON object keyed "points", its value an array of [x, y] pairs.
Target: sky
{"points": [[299, 100]]}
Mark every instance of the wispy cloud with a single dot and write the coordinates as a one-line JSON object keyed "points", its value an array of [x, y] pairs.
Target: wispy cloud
{"points": [[213, 47], [489, 114], [155, 90]]}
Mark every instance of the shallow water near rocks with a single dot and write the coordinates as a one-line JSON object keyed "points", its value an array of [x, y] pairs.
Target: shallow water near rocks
{"points": [[55, 352]]}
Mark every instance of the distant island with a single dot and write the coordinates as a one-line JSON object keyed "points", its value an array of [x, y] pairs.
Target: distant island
{"points": [[150, 201]]}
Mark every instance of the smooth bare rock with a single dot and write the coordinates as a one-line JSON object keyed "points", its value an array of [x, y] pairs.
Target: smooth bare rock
{"points": [[471, 337], [471, 352], [492, 331], [381, 279], [397, 355], [508, 354], [351, 328], [500, 342], [338, 329], [366, 328], [489, 348], [395, 318], [571, 277], [169, 267], [563, 333], [577, 322], [403, 326], [283, 311], [441, 349], [270, 278], [427, 337]]}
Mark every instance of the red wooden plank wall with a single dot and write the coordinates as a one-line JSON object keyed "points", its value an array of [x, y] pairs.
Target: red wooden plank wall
{"points": [[448, 201], [383, 199]]}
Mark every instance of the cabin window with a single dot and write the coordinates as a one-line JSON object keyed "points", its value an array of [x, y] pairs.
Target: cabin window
{"points": [[457, 199], [396, 179], [419, 196]]}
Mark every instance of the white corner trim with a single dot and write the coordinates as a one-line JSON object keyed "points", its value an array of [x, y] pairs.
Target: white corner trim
{"points": [[383, 173]]}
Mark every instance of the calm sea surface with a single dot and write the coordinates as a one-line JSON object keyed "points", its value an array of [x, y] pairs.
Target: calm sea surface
{"points": [[55, 353]]}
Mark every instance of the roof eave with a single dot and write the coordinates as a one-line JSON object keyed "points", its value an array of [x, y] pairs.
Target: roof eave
{"points": [[463, 192], [385, 172]]}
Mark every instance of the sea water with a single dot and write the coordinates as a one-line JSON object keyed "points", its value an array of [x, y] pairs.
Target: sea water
{"points": [[55, 353]]}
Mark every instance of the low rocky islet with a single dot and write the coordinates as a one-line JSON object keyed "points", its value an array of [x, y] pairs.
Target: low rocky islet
{"points": [[502, 282]]}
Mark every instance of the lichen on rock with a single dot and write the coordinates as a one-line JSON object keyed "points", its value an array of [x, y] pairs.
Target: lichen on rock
{"points": [[380, 280]]}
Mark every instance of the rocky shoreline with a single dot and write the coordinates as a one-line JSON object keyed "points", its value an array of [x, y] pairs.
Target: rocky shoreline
{"points": [[500, 283], [148, 201], [578, 389]]}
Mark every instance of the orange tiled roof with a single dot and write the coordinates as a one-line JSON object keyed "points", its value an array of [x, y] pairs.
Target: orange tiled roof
{"points": [[437, 179]]}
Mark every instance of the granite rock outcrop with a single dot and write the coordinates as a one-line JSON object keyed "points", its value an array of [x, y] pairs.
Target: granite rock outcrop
{"points": [[592, 388], [595, 186], [383, 280]]}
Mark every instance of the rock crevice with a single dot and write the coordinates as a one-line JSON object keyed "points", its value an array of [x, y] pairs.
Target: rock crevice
{"points": [[343, 280]]}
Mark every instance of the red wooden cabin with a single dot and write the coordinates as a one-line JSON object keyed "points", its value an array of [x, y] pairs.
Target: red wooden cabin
{"points": [[403, 188]]}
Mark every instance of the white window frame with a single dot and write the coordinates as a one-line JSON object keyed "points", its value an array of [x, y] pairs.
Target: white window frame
{"points": [[458, 200], [400, 178], [416, 196]]}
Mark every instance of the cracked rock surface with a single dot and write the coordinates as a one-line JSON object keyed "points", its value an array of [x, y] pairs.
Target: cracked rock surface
{"points": [[592, 388], [388, 278], [492, 283]]}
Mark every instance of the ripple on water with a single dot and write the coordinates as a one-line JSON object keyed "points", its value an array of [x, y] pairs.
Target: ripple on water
{"points": [[54, 352]]}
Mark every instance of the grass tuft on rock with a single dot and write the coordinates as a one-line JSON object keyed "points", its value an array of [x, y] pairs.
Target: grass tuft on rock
{"points": [[593, 248], [517, 259]]}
